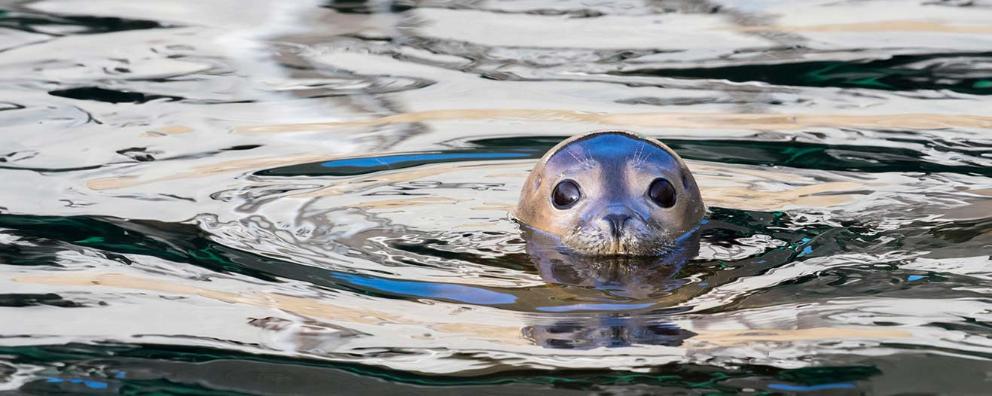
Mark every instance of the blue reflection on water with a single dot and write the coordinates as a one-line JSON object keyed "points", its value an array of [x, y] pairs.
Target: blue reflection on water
{"points": [[92, 384], [447, 291], [391, 160]]}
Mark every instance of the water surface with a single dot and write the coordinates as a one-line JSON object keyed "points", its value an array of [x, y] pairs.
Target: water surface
{"points": [[265, 197]]}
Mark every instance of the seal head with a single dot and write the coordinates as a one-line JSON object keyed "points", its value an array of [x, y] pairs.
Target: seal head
{"points": [[612, 193]]}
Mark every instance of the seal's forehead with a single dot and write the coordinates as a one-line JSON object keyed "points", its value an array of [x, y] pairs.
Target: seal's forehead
{"points": [[611, 148]]}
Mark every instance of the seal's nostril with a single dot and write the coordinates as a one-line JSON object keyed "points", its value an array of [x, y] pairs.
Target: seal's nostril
{"points": [[616, 223]]}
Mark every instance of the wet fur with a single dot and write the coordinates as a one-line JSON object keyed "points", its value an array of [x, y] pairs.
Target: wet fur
{"points": [[613, 169]]}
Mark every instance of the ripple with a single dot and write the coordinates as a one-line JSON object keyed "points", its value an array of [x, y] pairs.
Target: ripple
{"points": [[347, 85], [330, 185], [850, 158], [151, 367], [28, 115], [108, 95], [30, 300], [71, 24], [969, 73]]}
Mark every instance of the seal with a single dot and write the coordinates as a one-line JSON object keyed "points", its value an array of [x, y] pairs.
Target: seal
{"points": [[612, 193]]}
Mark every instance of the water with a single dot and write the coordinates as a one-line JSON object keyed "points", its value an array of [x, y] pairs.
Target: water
{"points": [[266, 197]]}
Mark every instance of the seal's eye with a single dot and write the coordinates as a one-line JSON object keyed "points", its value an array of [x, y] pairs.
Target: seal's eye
{"points": [[662, 192], [566, 194]]}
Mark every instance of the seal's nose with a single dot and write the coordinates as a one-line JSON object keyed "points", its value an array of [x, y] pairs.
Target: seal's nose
{"points": [[616, 221]]}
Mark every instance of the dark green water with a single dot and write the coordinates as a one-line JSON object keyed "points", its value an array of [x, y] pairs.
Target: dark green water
{"points": [[313, 198]]}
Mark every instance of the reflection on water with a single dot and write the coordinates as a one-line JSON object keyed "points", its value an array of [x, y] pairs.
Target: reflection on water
{"points": [[287, 197]]}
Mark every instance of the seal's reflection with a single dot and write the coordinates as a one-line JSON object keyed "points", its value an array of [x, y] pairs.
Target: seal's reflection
{"points": [[609, 292]]}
